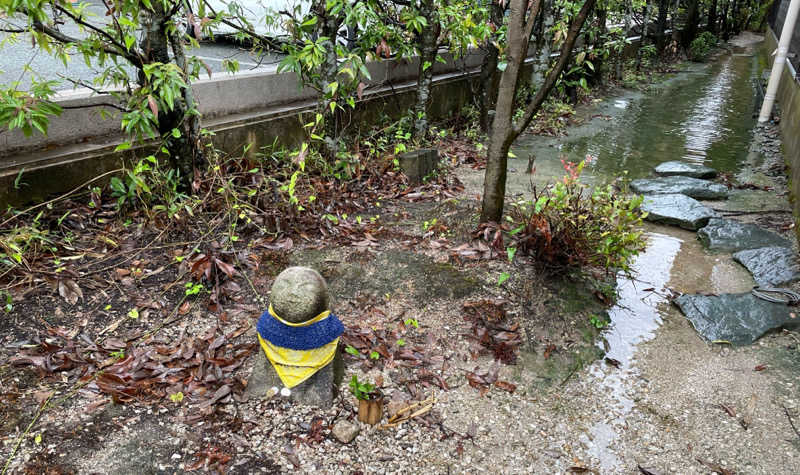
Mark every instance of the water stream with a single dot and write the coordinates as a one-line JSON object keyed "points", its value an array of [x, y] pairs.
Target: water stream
{"points": [[703, 115]]}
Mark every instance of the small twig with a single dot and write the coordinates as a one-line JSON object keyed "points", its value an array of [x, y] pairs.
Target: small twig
{"points": [[396, 419], [736, 212], [260, 297], [399, 422], [572, 371], [791, 422], [45, 405], [130, 257], [25, 433], [170, 319]]}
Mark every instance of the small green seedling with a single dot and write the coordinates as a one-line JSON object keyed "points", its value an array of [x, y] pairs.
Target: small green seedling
{"points": [[374, 355], [511, 251], [119, 354], [429, 224], [598, 321], [502, 278], [351, 350], [411, 321], [361, 390], [193, 288], [9, 305]]}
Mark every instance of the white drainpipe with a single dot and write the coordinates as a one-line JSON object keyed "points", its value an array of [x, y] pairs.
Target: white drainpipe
{"points": [[780, 60]]}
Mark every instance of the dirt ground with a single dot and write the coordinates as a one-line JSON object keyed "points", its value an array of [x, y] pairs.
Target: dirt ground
{"points": [[99, 425], [520, 384]]}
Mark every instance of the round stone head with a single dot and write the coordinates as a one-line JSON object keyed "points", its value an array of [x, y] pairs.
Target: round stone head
{"points": [[299, 294]]}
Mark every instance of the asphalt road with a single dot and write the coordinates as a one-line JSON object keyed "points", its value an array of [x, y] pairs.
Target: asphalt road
{"points": [[21, 61]]}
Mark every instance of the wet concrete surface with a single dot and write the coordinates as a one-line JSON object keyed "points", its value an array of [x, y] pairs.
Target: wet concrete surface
{"points": [[657, 409]]}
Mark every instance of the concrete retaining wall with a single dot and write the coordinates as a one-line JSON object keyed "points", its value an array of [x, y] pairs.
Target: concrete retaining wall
{"points": [[788, 99], [252, 108], [219, 96]]}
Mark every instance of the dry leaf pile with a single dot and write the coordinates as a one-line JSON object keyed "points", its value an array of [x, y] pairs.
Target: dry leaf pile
{"points": [[198, 368]]}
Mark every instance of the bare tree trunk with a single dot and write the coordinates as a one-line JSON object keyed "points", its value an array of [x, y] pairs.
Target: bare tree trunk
{"points": [[501, 136], [725, 27], [736, 22], [327, 26], [429, 49], [487, 94], [504, 132], [689, 31], [544, 42], [156, 44], [627, 34], [643, 42], [599, 61], [712, 17], [661, 26], [191, 156], [676, 33]]}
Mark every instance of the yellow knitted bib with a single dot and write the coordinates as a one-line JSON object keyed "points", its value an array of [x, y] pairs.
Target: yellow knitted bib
{"points": [[296, 366]]}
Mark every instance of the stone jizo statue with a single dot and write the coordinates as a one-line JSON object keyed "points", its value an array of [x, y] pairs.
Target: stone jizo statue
{"points": [[299, 339]]}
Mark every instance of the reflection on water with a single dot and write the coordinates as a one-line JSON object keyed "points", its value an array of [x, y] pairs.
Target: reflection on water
{"points": [[704, 126], [635, 316], [634, 319], [703, 117]]}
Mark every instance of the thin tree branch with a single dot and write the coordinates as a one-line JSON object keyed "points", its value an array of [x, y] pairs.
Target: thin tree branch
{"points": [[60, 37], [172, 11], [552, 76], [791, 422], [243, 29], [532, 21], [121, 50], [98, 104]]}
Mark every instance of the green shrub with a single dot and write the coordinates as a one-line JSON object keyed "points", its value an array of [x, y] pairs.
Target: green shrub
{"points": [[570, 225], [701, 46]]}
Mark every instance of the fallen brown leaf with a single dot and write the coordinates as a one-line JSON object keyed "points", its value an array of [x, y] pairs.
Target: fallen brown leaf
{"points": [[70, 291], [728, 409], [506, 386]]}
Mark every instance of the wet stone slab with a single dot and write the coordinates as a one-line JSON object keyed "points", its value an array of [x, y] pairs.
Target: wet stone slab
{"points": [[729, 235], [691, 170], [739, 319], [770, 266], [677, 210], [692, 187]]}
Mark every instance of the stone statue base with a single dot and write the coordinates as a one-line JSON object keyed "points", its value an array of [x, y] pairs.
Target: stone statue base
{"points": [[318, 390]]}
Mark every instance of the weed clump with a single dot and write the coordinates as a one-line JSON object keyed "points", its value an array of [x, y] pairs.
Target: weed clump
{"points": [[570, 225], [701, 46]]}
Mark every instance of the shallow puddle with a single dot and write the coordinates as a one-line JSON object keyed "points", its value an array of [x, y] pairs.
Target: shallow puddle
{"points": [[674, 260], [702, 116]]}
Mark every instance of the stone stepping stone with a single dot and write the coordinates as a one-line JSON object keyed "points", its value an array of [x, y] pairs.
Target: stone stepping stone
{"points": [[692, 170], [738, 318], [692, 187], [731, 236], [770, 266], [677, 210]]}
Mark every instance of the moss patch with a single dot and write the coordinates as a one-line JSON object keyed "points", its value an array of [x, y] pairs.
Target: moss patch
{"points": [[391, 272]]}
